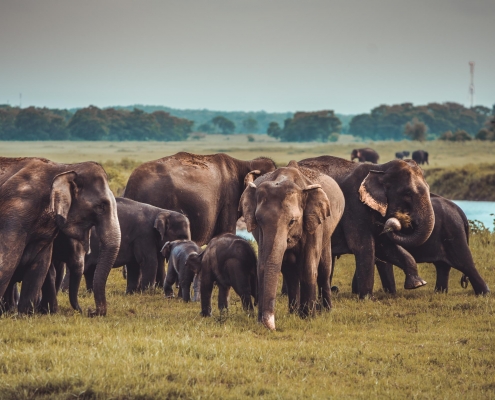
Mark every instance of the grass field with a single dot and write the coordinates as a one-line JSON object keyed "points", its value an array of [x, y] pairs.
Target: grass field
{"points": [[417, 344]]}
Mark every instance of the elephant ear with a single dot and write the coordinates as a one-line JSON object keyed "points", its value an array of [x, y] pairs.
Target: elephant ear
{"points": [[247, 207], [63, 188], [372, 192], [317, 207], [166, 249], [161, 223], [193, 262], [251, 176]]}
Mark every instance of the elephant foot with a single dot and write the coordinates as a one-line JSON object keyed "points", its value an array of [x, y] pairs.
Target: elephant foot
{"points": [[334, 289], [99, 312], [206, 313], [413, 282]]}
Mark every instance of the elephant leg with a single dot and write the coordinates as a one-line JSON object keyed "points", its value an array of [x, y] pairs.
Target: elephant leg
{"points": [[461, 259], [33, 279], [443, 271], [75, 264], [160, 272], [49, 302], [124, 271], [65, 282], [10, 298], [291, 277], [89, 276], [223, 297], [386, 272], [196, 288], [10, 256], [284, 287], [397, 255], [363, 248], [148, 265], [206, 290], [240, 280], [133, 277], [60, 275], [172, 277], [324, 277]]}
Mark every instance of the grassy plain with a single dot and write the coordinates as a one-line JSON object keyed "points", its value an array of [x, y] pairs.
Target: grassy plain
{"points": [[417, 344]]}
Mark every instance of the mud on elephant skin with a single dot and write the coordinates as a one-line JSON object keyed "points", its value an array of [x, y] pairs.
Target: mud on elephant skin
{"points": [[292, 213], [447, 247], [229, 261], [39, 199], [373, 195], [206, 189], [364, 155], [176, 253]]}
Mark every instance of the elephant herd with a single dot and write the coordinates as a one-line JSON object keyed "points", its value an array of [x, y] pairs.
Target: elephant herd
{"points": [[370, 155], [303, 216]]}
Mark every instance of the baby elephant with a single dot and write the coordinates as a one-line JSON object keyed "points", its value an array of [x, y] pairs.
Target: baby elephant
{"points": [[229, 261], [176, 253]]}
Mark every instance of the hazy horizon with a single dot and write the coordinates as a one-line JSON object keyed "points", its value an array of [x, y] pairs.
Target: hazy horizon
{"points": [[239, 55]]}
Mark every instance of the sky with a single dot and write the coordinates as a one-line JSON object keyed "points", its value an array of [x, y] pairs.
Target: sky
{"points": [[274, 55]]}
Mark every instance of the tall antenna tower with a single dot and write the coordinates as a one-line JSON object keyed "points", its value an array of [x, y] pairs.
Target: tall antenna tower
{"points": [[20, 100], [471, 85]]}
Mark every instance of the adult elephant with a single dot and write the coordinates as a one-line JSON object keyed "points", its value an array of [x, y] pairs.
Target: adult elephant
{"points": [[144, 230], [447, 247], [206, 189], [420, 156], [373, 194], [39, 199], [365, 154], [292, 213]]}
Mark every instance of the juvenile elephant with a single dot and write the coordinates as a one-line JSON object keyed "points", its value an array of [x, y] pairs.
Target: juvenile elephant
{"points": [[365, 154], [447, 246], [228, 260], [292, 213], [39, 199], [176, 253], [207, 189], [144, 231], [374, 194], [402, 154], [420, 156]]}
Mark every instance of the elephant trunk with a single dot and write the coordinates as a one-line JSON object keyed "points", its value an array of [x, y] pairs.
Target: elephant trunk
{"points": [[424, 222], [272, 251], [74, 283], [108, 231]]}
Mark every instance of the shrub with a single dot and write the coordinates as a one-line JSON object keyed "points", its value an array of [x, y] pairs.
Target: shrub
{"points": [[250, 138]]}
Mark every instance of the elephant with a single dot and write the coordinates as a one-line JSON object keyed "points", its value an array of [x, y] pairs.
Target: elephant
{"points": [[40, 198], [144, 230], [373, 194], [292, 213], [207, 189], [402, 154], [365, 154], [447, 246], [230, 261], [420, 156], [176, 253]]}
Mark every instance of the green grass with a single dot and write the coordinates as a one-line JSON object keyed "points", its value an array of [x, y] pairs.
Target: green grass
{"points": [[416, 345]]}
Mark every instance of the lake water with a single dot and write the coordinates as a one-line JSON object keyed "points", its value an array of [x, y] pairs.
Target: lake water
{"points": [[479, 210]]}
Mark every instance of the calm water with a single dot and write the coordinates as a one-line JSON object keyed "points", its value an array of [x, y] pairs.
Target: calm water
{"points": [[479, 210]]}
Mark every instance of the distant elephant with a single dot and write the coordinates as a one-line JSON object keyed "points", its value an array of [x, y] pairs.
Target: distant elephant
{"points": [[206, 189], [374, 194], [420, 156], [144, 230], [176, 253], [292, 213], [230, 261], [402, 154], [447, 246], [365, 154], [40, 198]]}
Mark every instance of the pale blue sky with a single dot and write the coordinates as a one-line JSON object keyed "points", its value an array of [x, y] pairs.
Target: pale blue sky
{"points": [[273, 55]]}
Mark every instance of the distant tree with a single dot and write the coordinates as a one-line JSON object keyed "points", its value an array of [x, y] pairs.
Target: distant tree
{"points": [[39, 124], [416, 130], [226, 126], [250, 125], [448, 135], [89, 124], [8, 115], [206, 128], [310, 126], [274, 130], [461, 136], [485, 134], [362, 125]]}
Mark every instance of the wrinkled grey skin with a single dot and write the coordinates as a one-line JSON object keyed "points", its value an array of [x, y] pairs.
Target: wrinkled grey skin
{"points": [[230, 261], [364, 155], [420, 156], [447, 247], [206, 189], [292, 213], [144, 231], [176, 253], [373, 195], [39, 199]]}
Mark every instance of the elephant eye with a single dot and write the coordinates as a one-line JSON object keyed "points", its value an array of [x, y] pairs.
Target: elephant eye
{"points": [[100, 208], [292, 221]]}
